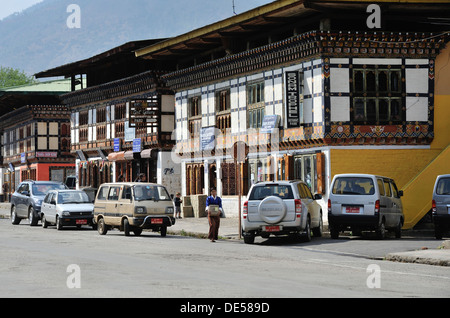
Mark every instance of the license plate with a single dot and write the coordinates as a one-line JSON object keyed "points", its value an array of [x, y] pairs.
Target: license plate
{"points": [[157, 221], [81, 222], [352, 209], [273, 228]]}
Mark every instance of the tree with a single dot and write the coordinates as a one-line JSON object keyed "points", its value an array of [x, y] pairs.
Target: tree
{"points": [[12, 77]]}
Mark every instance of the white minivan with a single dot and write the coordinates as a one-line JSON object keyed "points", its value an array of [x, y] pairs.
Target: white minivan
{"points": [[364, 202], [441, 205]]}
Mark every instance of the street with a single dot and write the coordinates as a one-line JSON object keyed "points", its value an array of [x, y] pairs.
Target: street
{"points": [[37, 262]]}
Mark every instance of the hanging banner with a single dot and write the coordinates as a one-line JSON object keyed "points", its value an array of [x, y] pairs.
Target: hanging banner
{"points": [[292, 85]]}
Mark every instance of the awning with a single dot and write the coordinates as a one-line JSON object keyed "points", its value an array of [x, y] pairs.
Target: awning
{"points": [[116, 156], [130, 155], [149, 153]]}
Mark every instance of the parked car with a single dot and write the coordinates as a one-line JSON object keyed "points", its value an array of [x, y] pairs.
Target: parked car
{"points": [[363, 202], [280, 208], [441, 205], [67, 208], [27, 199], [132, 207]]}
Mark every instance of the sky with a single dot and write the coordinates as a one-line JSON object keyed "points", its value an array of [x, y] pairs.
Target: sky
{"points": [[8, 7]]}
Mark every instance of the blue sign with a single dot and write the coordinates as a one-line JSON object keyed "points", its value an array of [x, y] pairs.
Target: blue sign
{"points": [[116, 144], [270, 122], [23, 157], [137, 146]]}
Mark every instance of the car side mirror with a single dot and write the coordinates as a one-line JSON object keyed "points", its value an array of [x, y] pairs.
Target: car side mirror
{"points": [[400, 193], [317, 196]]}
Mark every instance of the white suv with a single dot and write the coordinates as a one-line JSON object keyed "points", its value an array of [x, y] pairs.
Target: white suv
{"points": [[281, 207]]}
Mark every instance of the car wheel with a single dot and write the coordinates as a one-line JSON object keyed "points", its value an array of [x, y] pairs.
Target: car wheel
{"points": [[32, 217], [126, 227], [163, 231], [14, 218], [249, 238], [317, 231], [438, 232], [101, 227], [59, 226], [334, 232], [307, 235], [44, 221], [137, 231], [381, 231], [398, 229]]}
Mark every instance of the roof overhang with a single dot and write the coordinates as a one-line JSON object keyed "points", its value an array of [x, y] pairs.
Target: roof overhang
{"points": [[286, 12], [82, 66], [260, 19]]}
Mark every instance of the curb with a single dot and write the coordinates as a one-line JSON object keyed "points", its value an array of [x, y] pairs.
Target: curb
{"points": [[419, 257]]}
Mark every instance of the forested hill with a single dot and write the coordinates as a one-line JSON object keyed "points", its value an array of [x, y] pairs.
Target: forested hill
{"points": [[38, 38]]}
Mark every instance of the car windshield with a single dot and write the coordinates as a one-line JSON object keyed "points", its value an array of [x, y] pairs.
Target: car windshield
{"points": [[42, 188], [150, 192], [443, 187], [354, 186], [263, 191], [74, 197]]}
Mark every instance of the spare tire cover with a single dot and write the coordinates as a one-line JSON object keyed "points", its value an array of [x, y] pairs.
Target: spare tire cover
{"points": [[272, 209]]}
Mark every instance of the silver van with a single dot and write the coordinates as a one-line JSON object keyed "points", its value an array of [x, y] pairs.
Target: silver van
{"points": [[132, 207], [364, 202], [441, 205]]}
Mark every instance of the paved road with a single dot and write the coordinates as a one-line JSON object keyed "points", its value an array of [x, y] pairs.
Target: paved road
{"points": [[34, 262]]}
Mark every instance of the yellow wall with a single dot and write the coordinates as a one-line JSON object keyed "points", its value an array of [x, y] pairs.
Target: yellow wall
{"points": [[442, 100], [400, 165], [414, 170]]}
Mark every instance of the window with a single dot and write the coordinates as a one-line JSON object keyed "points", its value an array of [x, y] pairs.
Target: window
{"points": [[255, 105], [305, 169], [114, 193], [443, 187], [223, 101], [223, 110], [102, 193], [377, 95], [194, 106], [281, 191], [381, 187], [126, 193], [387, 187], [195, 116], [353, 186], [394, 189]]}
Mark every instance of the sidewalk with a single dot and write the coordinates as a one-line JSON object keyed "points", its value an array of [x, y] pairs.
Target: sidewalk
{"points": [[440, 257], [229, 229], [199, 227]]}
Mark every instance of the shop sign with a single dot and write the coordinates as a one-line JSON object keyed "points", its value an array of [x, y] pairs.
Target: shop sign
{"points": [[292, 84], [143, 112], [137, 145], [208, 138], [270, 122], [116, 144]]}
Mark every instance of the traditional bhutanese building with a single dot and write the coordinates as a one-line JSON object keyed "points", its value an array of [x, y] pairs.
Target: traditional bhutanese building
{"points": [[314, 91], [35, 134], [121, 120]]}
